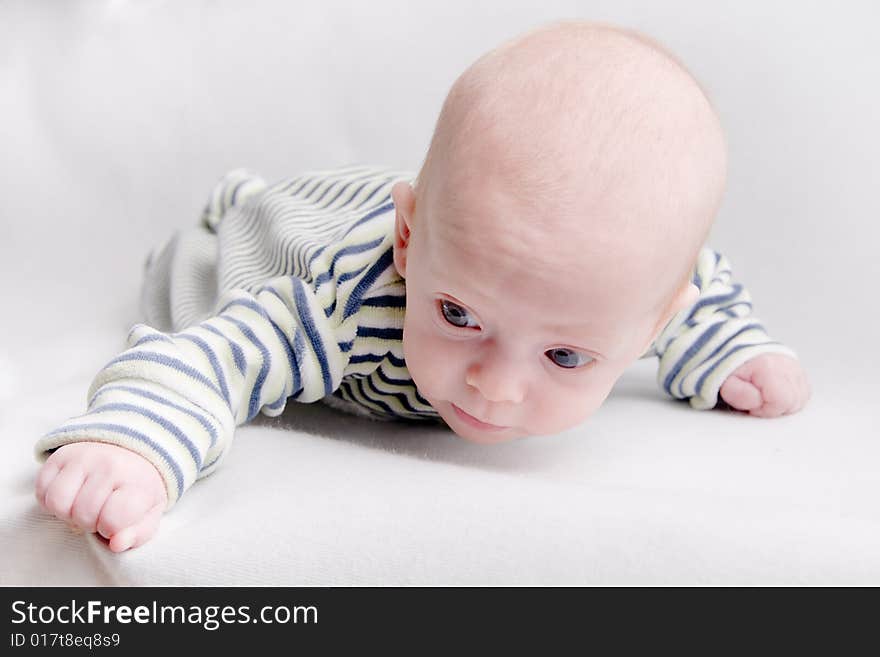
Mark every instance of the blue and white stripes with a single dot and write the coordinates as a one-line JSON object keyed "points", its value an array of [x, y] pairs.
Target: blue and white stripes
{"points": [[704, 344], [281, 292]]}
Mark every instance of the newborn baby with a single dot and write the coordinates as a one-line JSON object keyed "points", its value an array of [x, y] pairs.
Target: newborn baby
{"points": [[553, 235]]}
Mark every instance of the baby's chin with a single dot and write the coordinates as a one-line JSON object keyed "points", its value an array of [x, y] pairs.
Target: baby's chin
{"points": [[494, 438], [487, 439]]}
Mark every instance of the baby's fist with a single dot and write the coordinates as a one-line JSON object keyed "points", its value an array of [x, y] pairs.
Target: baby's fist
{"points": [[768, 385], [105, 489]]}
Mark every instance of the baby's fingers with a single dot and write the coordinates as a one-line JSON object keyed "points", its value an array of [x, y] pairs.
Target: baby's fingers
{"points": [[779, 397], [126, 507], [62, 491], [132, 537], [88, 503], [741, 394], [44, 479]]}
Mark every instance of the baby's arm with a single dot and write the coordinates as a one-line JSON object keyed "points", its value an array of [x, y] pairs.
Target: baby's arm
{"points": [[165, 409], [717, 346]]}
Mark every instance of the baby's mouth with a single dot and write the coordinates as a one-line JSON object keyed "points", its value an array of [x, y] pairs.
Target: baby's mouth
{"points": [[469, 419]]}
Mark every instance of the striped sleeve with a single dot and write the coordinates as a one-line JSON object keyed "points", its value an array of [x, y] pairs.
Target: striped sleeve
{"points": [[703, 345], [176, 398], [236, 187]]}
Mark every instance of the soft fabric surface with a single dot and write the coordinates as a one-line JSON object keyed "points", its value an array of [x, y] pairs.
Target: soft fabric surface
{"points": [[111, 142]]}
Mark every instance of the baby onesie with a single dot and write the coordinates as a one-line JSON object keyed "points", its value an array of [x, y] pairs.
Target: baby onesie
{"points": [[289, 291]]}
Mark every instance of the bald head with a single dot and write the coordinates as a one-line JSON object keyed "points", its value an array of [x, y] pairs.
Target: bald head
{"points": [[588, 123]]}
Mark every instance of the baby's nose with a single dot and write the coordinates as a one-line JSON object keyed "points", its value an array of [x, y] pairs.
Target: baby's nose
{"points": [[497, 381]]}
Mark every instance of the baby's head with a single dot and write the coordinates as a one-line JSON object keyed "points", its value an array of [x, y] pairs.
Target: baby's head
{"points": [[571, 179]]}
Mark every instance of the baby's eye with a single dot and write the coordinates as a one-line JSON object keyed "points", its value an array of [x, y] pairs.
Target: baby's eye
{"points": [[568, 358], [456, 315]]}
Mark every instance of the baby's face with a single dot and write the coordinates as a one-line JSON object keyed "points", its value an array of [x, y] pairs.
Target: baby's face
{"points": [[510, 332], [571, 178]]}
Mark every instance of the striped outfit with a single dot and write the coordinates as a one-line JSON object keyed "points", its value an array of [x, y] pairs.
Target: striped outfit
{"points": [[289, 291]]}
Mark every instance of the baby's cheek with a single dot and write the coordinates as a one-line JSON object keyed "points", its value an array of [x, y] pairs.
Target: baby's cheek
{"points": [[563, 408], [427, 361]]}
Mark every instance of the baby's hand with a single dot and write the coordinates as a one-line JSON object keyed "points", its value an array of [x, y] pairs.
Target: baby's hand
{"points": [[768, 385], [106, 489]]}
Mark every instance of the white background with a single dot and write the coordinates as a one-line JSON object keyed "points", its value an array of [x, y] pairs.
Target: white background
{"points": [[131, 110]]}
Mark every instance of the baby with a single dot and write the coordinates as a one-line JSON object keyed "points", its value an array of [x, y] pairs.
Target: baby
{"points": [[553, 235]]}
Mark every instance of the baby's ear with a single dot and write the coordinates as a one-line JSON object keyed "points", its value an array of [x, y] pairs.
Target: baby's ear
{"points": [[687, 298], [404, 205]]}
